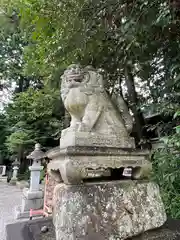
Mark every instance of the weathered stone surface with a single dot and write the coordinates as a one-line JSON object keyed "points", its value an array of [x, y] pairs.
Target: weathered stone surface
{"points": [[77, 163], [51, 182], [50, 185], [111, 210], [101, 151], [76, 138]]}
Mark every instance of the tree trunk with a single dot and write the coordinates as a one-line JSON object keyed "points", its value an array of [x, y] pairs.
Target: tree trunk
{"points": [[19, 88], [133, 100], [26, 84], [21, 159]]}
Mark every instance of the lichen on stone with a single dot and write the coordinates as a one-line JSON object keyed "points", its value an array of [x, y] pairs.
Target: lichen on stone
{"points": [[107, 211]]}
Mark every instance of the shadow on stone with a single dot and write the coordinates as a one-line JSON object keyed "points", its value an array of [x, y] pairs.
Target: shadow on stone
{"points": [[31, 230], [170, 231]]}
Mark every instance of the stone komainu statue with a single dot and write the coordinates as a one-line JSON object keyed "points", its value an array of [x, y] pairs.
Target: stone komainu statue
{"points": [[97, 140], [89, 105]]}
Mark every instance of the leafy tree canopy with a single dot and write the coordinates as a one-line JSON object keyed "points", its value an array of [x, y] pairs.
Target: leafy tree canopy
{"points": [[132, 41], [34, 115]]}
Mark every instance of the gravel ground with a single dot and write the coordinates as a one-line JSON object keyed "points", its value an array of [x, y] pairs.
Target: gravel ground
{"points": [[10, 196]]}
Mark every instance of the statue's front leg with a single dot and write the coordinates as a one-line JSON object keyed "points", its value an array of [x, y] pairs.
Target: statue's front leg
{"points": [[75, 122], [92, 113]]}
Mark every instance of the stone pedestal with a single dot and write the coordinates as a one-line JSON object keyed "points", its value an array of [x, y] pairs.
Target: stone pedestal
{"points": [[30, 200], [92, 201], [109, 210], [78, 163]]}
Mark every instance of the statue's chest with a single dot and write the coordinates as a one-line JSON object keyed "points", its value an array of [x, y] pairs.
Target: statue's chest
{"points": [[76, 101]]}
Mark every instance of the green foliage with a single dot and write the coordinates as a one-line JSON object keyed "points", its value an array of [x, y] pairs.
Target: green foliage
{"points": [[97, 32], [166, 164], [142, 37], [12, 43], [18, 140], [167, 175], [32, 105], [33, 117], [24, 176], [42, 175], [3, 134]]}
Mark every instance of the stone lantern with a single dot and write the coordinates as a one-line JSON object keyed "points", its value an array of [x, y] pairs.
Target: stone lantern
{"points": [[32, 196], [15, 165], [36, 156]]}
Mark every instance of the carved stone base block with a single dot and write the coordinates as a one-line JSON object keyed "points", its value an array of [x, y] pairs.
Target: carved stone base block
{"points": [[109, 210], [71, 138]]}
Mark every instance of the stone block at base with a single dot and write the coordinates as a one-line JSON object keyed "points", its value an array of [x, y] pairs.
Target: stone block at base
{"points": [[19, 214], [31, 230], [108, 210], [13, 181], [33, 195], [23, 215], [30, 200], [28, 204]]}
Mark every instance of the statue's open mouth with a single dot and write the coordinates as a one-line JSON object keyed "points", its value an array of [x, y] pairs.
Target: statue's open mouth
{"points": [[75, 77]]}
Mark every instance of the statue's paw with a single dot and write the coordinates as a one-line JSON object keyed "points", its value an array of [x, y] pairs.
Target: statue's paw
{"points": [[83, 128], [74, 126]]}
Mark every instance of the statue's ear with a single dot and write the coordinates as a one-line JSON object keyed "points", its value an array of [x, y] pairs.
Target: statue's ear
{"points": [[90, 68], [62, 78]]}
